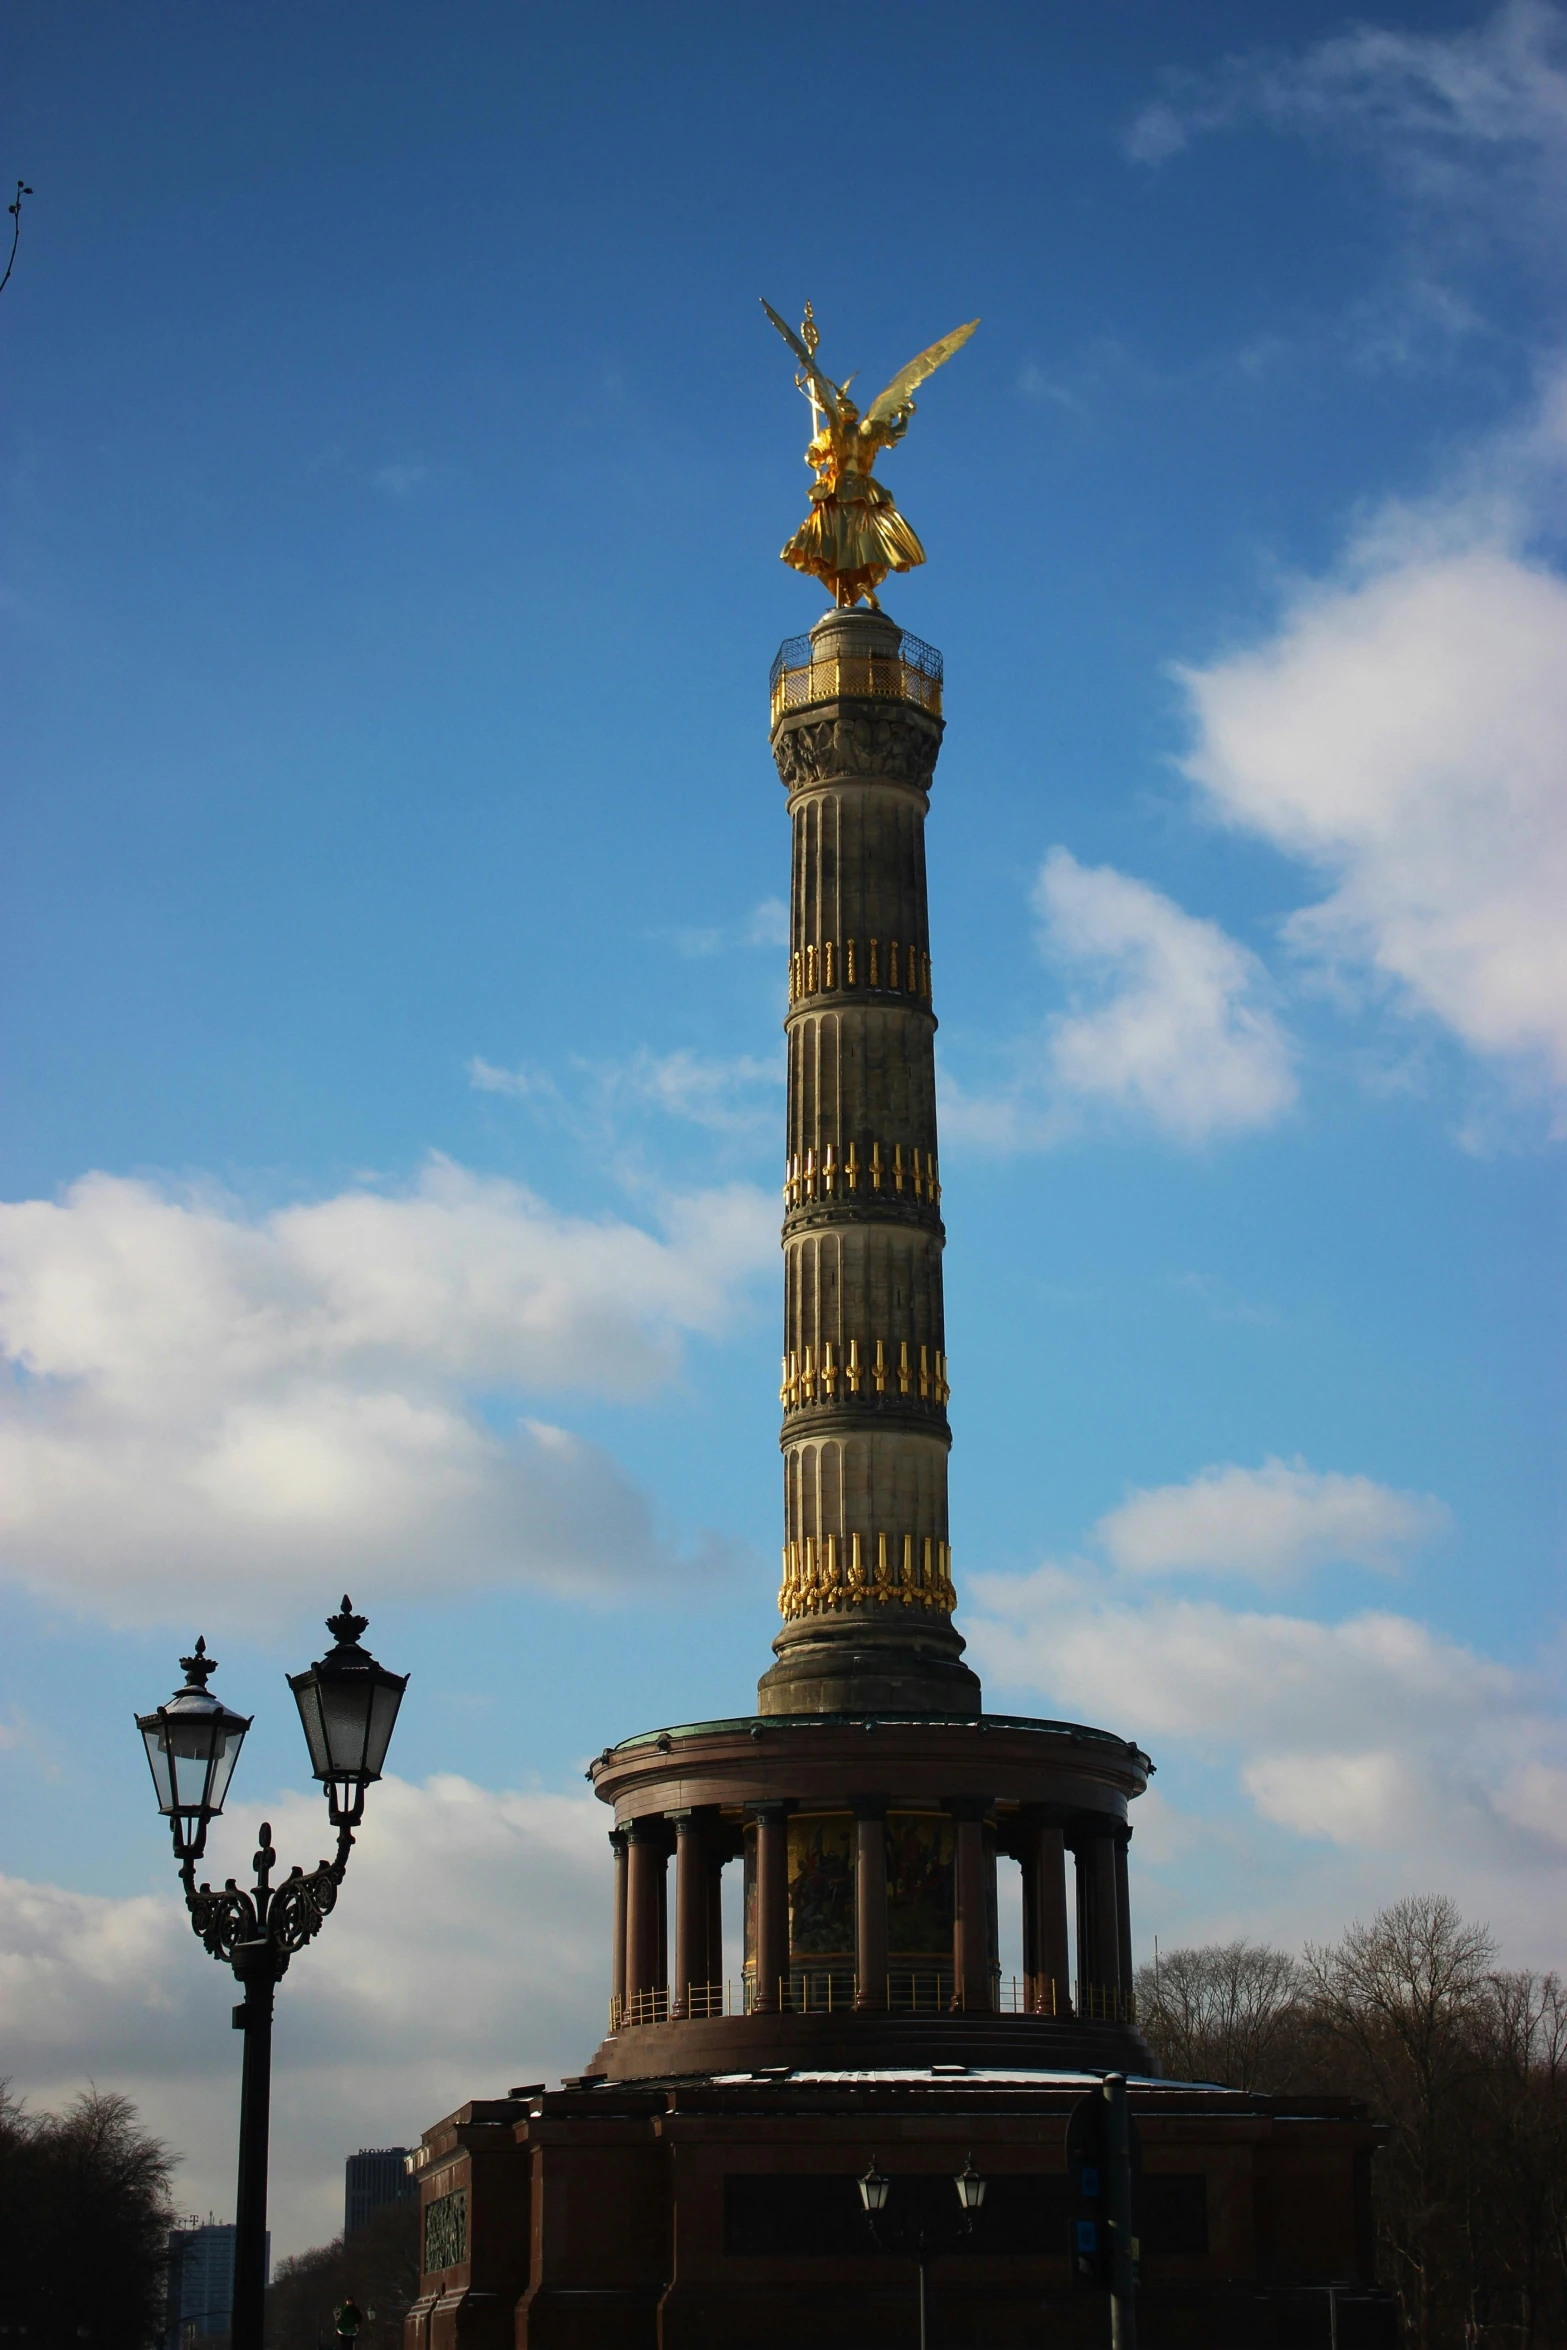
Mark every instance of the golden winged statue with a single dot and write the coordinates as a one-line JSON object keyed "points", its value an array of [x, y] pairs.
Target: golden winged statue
{"points": [[854, 534]]}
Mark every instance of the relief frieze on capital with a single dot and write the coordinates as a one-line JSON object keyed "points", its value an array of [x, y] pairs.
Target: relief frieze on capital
{"points": [[896, 745]]}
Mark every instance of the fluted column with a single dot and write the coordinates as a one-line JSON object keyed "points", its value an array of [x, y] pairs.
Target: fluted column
{"points": [[870, 1903], [1123, 1912], [645, 1840], [691, 1905], [1106, 1968], [1046, 1958], [772, 1904], [715, 1915], [867, 1591], [617, 1957], [971, 1908]]}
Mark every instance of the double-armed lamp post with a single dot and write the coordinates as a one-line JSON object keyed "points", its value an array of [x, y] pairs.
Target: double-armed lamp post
{"points": [[919, 2234], [348, 1705]]}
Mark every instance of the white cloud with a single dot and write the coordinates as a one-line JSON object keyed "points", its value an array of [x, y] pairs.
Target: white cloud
{"points": [[522, 1084], [767, 925], [1431, 106], [1406, 733], [216, 1404], [734, 1096], [1468, 131], [1168, 1023], [1180, 1033], [1366, 1756], [1268, 1524], [731, 1096], [468, 1951], [399, 481]]}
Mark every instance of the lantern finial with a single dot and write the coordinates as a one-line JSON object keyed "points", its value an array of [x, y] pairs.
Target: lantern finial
{"points": [[345, 1627], [198, 1669]]}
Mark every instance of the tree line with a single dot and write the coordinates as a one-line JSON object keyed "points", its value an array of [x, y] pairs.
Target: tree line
{"points": [[377, 2267], [84, 2224], [1465, 2060]]}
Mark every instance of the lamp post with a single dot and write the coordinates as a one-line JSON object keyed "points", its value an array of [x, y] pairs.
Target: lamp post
{"points": [[347, 1705], [920, 2236]]}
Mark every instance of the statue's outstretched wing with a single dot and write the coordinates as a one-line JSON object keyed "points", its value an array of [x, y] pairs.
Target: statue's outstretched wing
{"points": [[826, 389], [896, 396]]}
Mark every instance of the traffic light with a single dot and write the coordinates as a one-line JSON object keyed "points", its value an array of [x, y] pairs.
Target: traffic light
{"points": [[1103, 2157], [1090, 2246]]}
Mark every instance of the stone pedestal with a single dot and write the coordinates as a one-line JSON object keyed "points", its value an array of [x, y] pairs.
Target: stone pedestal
{"points": [[695, 2216]]}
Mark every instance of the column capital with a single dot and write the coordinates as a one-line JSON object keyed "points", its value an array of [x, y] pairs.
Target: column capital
{"points": [[870, 1807], [1047, 1815], [1093, 1827], [770, 1807], [968, 1807]]}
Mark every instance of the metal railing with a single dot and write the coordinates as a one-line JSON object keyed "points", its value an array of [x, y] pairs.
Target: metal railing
{"points": [[834, 1990], [1105, 2003], [912, 674]]}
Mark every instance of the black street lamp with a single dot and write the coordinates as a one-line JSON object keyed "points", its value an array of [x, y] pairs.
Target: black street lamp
{"points": [[348, 1705], [919, 2231]]}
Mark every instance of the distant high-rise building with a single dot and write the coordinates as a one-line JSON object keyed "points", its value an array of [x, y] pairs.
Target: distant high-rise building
{"points": [[374, 2177], [201, 2282]]}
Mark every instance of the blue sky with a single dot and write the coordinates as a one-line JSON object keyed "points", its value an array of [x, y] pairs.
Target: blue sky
{"points": [[395, 460]]}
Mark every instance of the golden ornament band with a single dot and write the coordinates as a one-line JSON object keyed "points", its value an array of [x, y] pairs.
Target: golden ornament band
{"points": [[884, 1367], [822, 970], [821, 1574], [891, 1173]]}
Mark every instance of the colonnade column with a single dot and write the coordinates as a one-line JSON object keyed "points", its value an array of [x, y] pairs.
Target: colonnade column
{"points": [[772, 1904], [971, 1908], [1107, 1922], [646, 1844], [1046, 1959], [870, 1904], [715, 1919], [691, 1909], [1123, 1915], [617, 1953]]}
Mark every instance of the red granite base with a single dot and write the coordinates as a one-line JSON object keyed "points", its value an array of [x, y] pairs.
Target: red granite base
{"points": [[707, 2213]]}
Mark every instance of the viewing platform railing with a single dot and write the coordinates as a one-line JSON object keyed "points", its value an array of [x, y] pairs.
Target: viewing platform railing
{"points": [[908, 1991], [912, 674]]}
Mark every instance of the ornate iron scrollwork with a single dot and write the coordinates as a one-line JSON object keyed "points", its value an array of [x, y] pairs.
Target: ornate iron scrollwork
{"points": [[281, 1919], [300, 1907], [221, 1921]]}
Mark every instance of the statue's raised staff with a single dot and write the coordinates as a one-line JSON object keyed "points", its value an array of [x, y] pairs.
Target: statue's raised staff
{"points": [[854, 534]]}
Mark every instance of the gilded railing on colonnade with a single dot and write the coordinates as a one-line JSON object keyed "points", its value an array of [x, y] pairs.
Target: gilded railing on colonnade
{"points": [[829, 1990], [912, 674]]}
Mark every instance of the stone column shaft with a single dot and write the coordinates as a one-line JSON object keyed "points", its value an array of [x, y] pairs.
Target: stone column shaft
{"points": [[772, 1905], [715, 1917], [691, 1905], [617, 1959], [867, 1592], [1107, 1927], [870, 1906], [1046, 1955], [1123, 1913], [971, 1914], [644, 1907]]}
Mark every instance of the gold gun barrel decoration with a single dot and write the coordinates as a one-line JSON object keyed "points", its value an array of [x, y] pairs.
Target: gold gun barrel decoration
{"points": [[854, 534]]}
